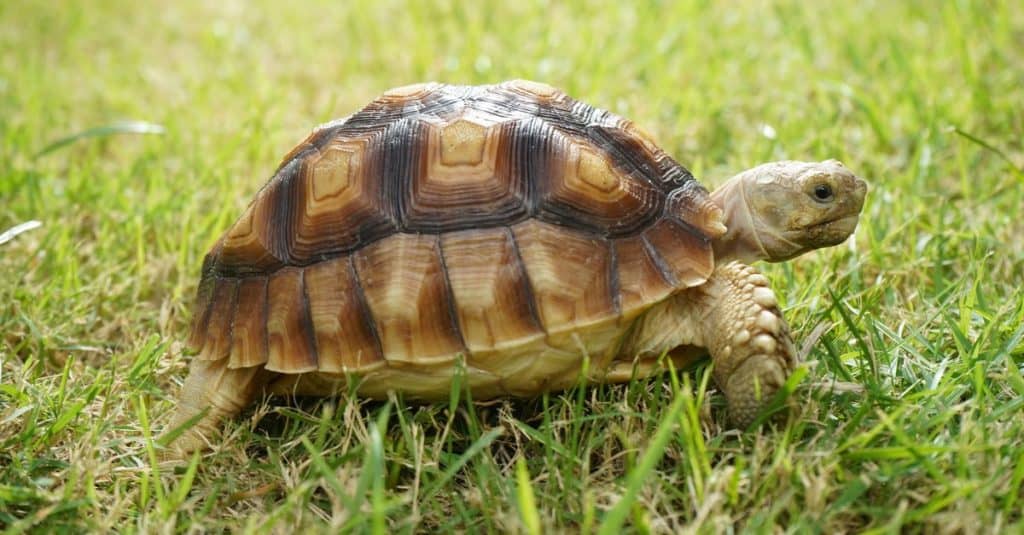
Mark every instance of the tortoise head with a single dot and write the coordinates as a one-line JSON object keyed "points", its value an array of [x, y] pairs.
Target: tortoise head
{"points": [[780, 210]]}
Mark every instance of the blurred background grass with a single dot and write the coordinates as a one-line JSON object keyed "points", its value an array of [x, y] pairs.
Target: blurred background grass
{"points": [[925, 302]]}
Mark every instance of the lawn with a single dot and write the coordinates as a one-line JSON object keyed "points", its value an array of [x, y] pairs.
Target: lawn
{"points": [[135, 135]]}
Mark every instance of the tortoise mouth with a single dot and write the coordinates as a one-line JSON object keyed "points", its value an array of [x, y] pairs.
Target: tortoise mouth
{"points": [[852, 218], [830, 232], [841, 221]]}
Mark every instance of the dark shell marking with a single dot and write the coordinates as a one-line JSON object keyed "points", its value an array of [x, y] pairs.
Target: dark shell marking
{"points": [[445, 220]]}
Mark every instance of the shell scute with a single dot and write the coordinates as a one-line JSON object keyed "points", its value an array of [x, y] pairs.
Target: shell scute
{"points": [[249, 329], [340, 203], [346, 337], [406, 290], [569, 273], [585, 188], [463, 179], [290, 344], [493, 299]]}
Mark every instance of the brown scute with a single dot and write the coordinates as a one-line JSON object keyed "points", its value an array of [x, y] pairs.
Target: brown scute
{"points": [[691, 204], [338, 200], [539, 90], [247, 245], [217, 342], [289, 332], [641, 283], [405, 287], [569, 273], [345, 340], [465, 179], [584, 188], [204, 294], [492, 295], [684, 255], [249, 331], [634, 150]]}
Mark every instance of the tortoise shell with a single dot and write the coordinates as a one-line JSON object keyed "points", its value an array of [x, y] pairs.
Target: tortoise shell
{"points": [[509, 225]]}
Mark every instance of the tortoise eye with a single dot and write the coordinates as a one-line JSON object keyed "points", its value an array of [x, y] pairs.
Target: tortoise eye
{"points": [[823, 192]]}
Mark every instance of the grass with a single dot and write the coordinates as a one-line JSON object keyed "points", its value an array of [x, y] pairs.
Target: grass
{"points": [[910, 413]]}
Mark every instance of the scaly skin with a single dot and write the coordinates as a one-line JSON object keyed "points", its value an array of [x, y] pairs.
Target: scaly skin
{"points": [[748, 339], [211, 386], [735, 318]]}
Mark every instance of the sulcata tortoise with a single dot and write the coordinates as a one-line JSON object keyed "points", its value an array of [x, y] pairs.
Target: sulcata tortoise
{"points": [[507, 229]]}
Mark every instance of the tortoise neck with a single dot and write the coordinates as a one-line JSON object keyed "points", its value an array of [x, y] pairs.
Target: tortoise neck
{"points": [[740, 242]]}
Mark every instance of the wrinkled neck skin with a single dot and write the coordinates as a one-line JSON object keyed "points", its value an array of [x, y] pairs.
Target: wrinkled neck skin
{"points": [[744, 239]]}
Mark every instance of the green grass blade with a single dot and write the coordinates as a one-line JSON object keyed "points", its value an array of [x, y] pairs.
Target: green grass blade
{"points": [[449, 472], [524, 497], [612, 523]]}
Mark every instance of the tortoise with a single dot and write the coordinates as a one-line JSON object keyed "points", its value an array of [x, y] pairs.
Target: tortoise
{"points": [[507, 231]]}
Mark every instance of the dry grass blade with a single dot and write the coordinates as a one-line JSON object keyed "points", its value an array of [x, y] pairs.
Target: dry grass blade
{"points": [[20, 228], [113, 129]]}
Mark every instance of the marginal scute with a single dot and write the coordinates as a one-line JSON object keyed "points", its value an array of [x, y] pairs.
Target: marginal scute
{"points": [[204, 296], [403, 279], [641, 282], [345, 336], [217, 342], [686, 256], [289, 332], [492, 295], [569, 273], [249, 331]]}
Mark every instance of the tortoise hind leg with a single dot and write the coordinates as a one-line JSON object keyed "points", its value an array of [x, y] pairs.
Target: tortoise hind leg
{"points": [[220, 391], [747, 337]]}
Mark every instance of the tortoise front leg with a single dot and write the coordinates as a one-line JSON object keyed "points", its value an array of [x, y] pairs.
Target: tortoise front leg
{"points": [[735, 318], [747, 337], [220, 391]]}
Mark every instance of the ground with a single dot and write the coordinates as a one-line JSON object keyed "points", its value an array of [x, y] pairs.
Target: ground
{"points": [[910, 397]]}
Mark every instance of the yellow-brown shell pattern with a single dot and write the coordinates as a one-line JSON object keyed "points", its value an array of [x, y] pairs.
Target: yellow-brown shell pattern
{"points": [[451, 220]]}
